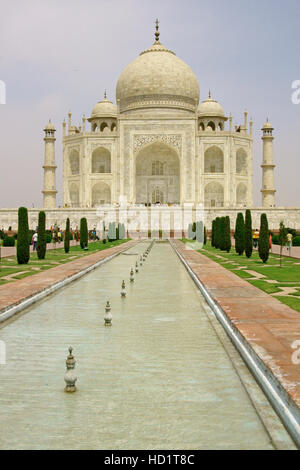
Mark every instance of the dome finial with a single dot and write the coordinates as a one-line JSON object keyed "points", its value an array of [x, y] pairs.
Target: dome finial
{"points": [[105, 94], [209, 94], [157, 33]]}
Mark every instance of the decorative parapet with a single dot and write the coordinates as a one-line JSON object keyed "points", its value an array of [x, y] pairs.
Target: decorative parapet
{"points": [[170, 139]]}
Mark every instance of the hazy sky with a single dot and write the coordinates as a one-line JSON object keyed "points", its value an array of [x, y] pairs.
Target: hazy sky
{"points": [[60, 55]]}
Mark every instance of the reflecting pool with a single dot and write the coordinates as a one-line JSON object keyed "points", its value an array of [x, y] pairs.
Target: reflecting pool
{"points": [[158, 378]]}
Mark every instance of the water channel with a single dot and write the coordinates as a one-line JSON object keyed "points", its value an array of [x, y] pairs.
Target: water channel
{"points": [[158, 378]]}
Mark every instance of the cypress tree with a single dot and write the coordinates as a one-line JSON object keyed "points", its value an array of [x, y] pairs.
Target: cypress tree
{"points": [[23, 252], [282, 238], [217, 232], [222, 233], [248, 234], [239, 234], [41, 240], [227, 241], [263, 242], [83, 233], [212, 237], [214, 232], [67, 237], [204, 236]]}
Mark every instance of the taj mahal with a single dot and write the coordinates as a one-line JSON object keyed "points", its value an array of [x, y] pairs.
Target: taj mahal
{"points": [[158, 145]]}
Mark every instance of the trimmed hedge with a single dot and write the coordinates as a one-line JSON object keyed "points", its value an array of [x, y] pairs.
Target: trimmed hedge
{"points": [[296, 241], [292, 231], [9, 241]]}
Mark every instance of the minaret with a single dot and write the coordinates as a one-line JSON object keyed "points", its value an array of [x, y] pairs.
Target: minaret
{"points": [[251, 127], [49, 166], [268, 190]]}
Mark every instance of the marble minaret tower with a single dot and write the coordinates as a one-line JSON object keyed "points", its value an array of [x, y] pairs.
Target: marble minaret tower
{"points": [[49, 189], [268, 189]]}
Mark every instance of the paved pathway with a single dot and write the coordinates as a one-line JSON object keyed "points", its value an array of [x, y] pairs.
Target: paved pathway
{"points": [[295, 251], [269, 326], [11, 294]]}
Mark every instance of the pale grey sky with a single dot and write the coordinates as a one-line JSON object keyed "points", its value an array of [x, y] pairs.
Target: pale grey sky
{"points": [[57, 55]]}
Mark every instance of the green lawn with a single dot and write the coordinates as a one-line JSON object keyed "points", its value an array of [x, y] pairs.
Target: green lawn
{"points": [[286, 276], [55, 257], [290, 301]]}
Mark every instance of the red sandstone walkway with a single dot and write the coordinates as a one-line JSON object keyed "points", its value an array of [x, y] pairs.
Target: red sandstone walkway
{"points": [[269, 326], [11, 294]]}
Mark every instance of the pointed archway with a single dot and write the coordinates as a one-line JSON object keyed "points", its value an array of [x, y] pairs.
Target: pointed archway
{"points": [[157, 175]]}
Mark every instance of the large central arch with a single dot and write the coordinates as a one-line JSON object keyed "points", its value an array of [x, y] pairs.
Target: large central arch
{"points": [[157, 175]]}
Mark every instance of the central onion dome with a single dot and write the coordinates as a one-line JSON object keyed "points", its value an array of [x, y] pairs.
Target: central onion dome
{"points": [[158, 79]]}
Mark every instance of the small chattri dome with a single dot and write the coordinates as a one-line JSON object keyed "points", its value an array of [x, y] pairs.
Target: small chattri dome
{"points": [[268, 125], [104, 108], [49, 126], [210, 108]]}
